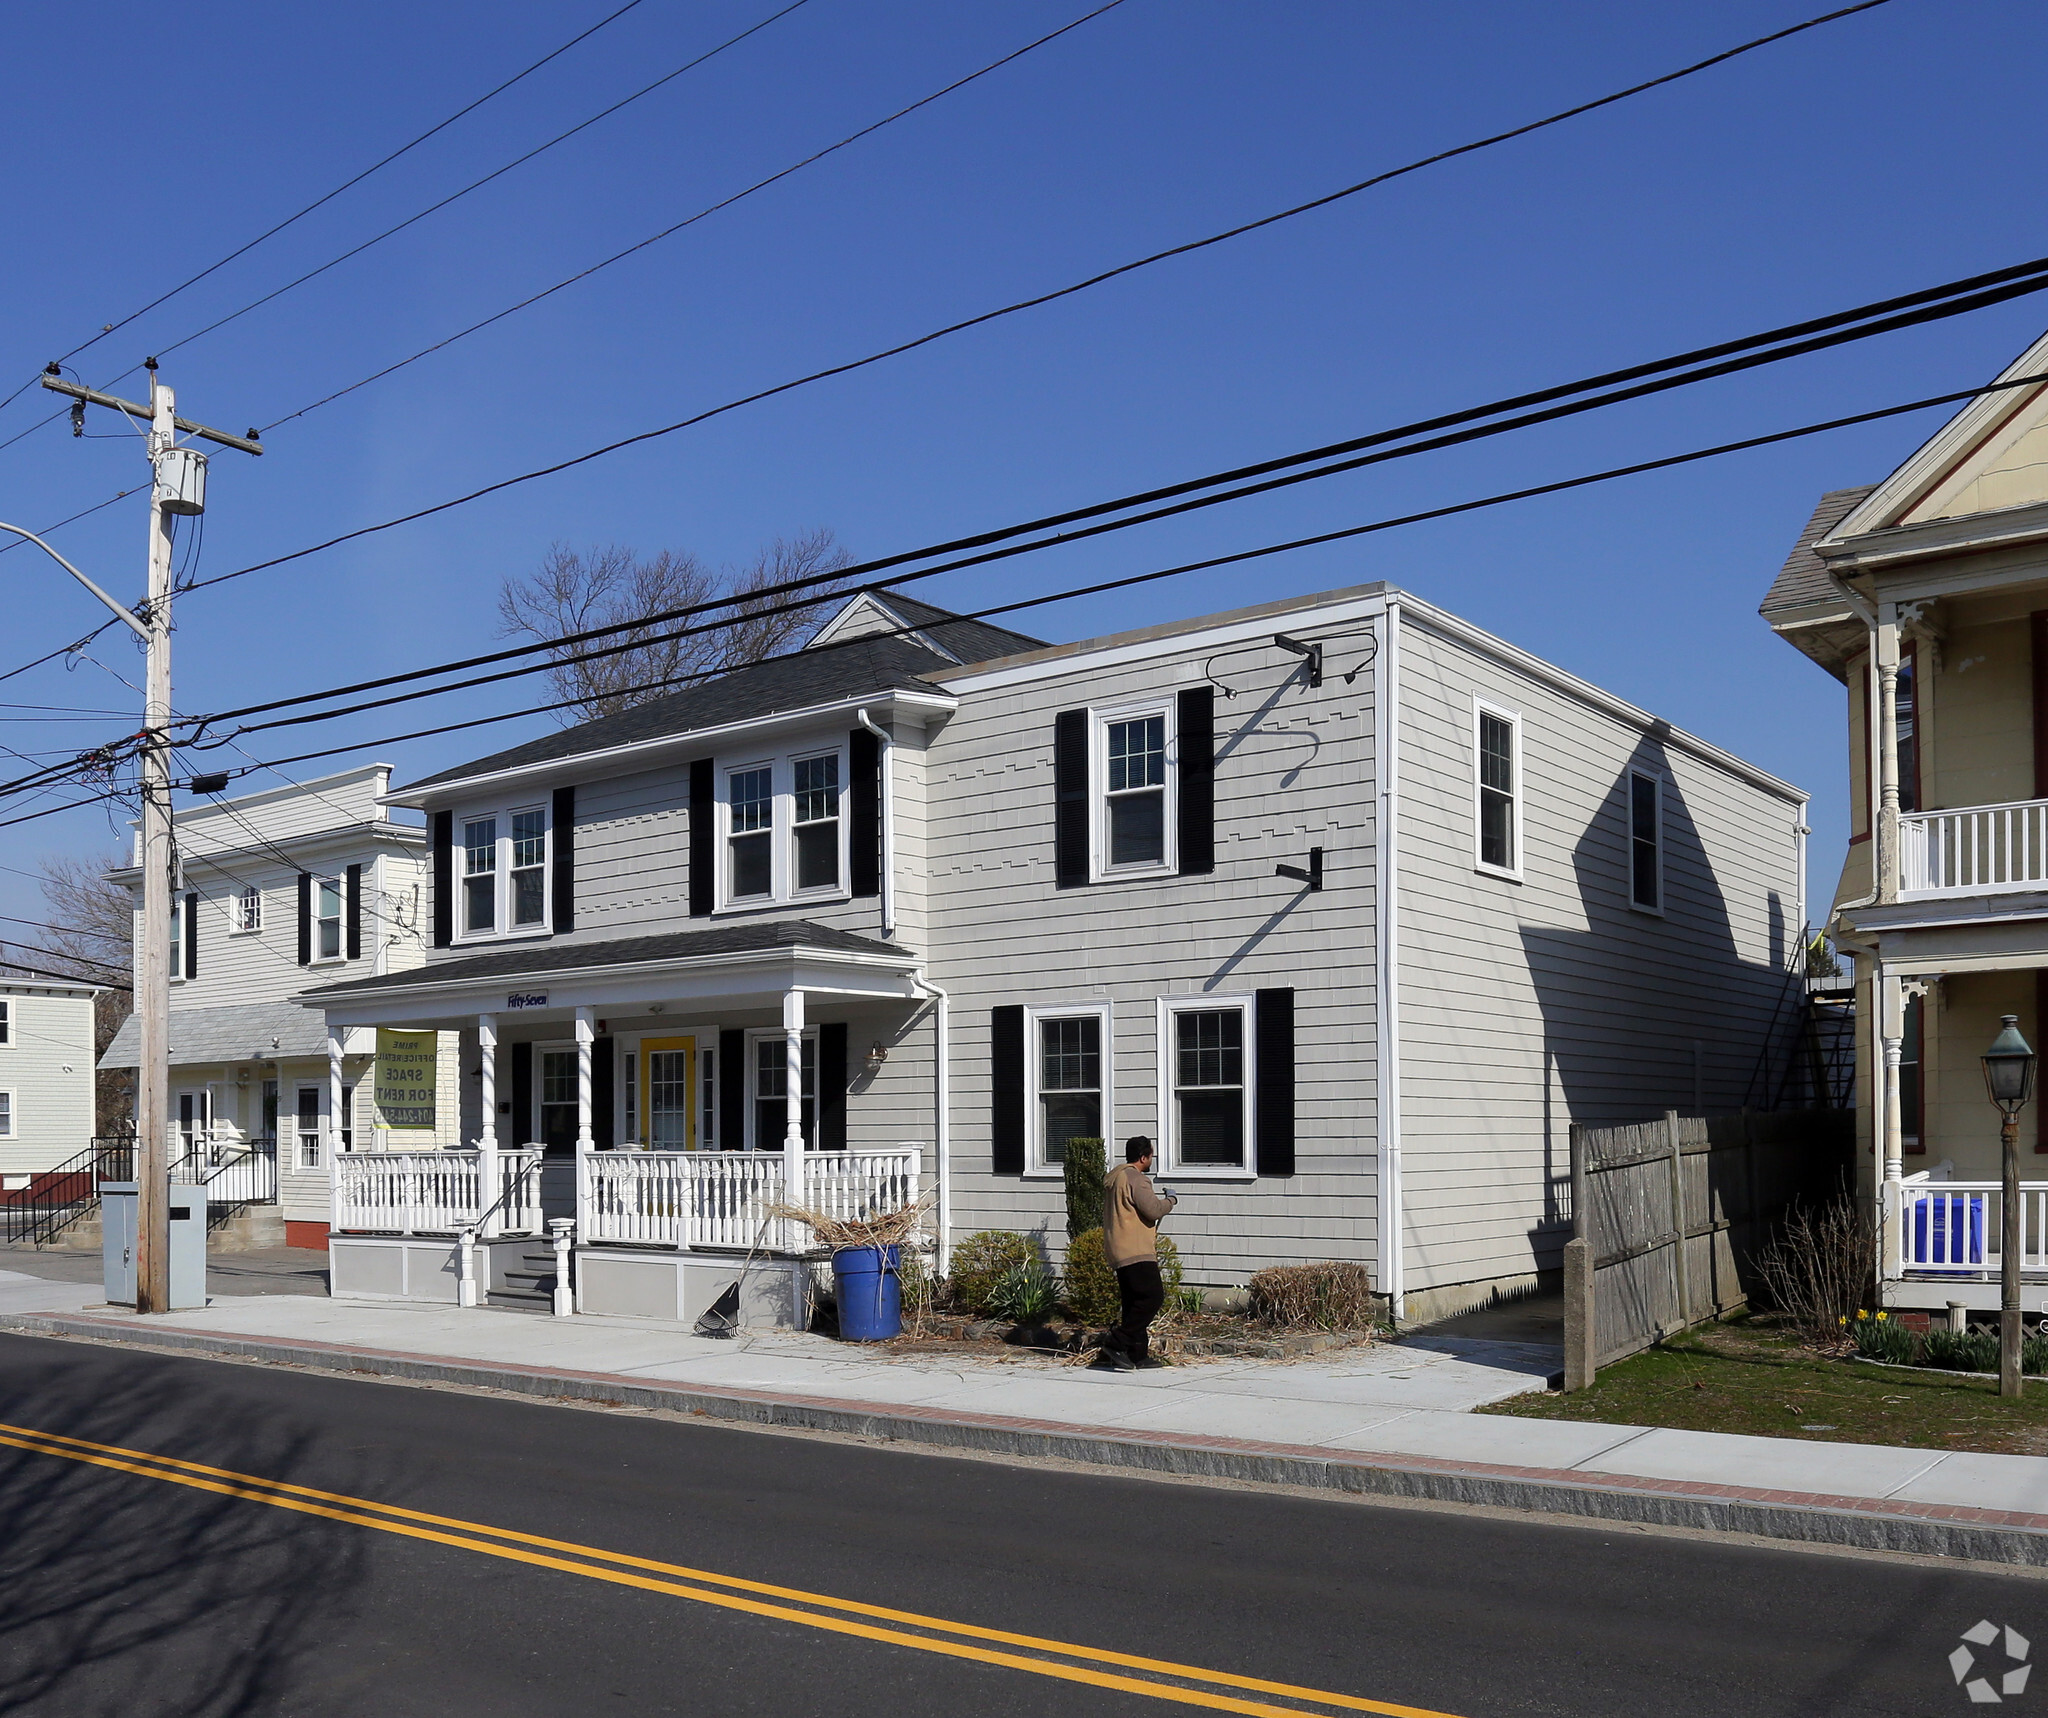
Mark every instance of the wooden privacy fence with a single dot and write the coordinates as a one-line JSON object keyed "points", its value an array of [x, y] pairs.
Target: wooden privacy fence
{"points": [[1669, 1216]]}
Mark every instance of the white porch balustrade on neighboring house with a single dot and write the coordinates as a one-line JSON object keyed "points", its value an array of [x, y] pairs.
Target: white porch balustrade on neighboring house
{"points": [[1973, 850], [719, 1200], [434, 1192], [1954, 1230]]}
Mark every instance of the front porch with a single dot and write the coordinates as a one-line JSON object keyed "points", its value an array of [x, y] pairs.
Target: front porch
{"points": [[651, 1132]]}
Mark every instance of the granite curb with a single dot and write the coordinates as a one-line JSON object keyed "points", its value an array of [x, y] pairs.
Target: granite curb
{"points": [[1816, 1518]]}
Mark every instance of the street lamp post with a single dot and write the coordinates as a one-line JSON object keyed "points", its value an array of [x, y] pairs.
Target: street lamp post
{"points": [[2009, 1078]]}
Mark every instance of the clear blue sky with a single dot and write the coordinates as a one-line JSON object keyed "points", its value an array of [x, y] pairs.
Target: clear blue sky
{"points": [[1879, 154]]}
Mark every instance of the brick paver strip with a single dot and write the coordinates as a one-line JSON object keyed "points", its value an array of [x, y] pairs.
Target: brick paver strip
{"points": [[1872, 1523]]}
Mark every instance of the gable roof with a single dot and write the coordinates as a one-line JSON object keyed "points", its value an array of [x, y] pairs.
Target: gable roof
{"points": [[824, 671], [954, 636], [1803, 580]]}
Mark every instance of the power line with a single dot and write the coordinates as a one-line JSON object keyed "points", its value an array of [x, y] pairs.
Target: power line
{"points": [[1092, 280], [63, 930], [328, 197], [67, 977]]}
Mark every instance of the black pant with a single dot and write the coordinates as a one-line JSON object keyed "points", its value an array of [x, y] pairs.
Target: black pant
{"points": [[1143, 1293]]}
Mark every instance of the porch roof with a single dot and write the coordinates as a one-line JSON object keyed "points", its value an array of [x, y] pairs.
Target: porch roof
{"points": [[775, 954], [246, 1032]]}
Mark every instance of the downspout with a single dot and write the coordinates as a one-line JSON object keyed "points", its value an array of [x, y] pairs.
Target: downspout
{"points": [[1388, 1049], [942, 1133], [888, 824]]}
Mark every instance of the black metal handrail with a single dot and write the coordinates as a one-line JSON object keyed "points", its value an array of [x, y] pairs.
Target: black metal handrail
{"points": [[59, 1196]]}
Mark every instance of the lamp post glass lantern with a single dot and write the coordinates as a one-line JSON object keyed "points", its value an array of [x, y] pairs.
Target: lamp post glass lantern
{"points": [[2009, 1078]]}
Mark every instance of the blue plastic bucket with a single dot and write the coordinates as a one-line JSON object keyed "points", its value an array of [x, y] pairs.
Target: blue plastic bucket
{"points": [[870, 1294]]}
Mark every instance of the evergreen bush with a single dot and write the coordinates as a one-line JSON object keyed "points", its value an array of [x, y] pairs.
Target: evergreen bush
{"points": [[1085, 1168], [1091, 1293], [980, 1261]]}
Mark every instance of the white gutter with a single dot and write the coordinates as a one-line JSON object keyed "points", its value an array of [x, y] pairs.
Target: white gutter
{"points": [[1387, 1103], [888, 820], [942, 1125]]}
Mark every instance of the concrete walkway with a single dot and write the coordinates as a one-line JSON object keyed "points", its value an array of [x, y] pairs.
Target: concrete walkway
{"points": [[1391, 1418]]}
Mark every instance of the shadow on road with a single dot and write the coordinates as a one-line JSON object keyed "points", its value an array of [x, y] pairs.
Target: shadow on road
{"points": [[132, 1595]]}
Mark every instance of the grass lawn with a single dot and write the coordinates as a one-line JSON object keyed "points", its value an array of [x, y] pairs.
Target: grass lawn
{"points": [[1746, 1376]]}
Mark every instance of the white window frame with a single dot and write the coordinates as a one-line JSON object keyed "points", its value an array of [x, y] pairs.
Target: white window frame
{"points": [[305, 1158], [1518, 796], [248, 911], [1099, 722], [782, 890], [176, 961], [340, 882], [502, 928], [1166, 1135], [1035, 1164], [6, 1020], [1656, 781], [750, 1095], [8, 1129]]}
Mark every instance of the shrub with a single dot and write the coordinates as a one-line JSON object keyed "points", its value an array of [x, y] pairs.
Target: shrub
{"points": [[1820, 1270], [980, 1261], [1326, 1296], [1880, 1337], [1091, 1293], [1960, 1350], [1029, 1293], [1084, 1169]]}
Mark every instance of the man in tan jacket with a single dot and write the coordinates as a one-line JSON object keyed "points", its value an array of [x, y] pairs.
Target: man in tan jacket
{"points": [[1131, 1211]]}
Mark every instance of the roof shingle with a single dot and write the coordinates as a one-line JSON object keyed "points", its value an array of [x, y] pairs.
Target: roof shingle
{"points": [[1804, 577]]}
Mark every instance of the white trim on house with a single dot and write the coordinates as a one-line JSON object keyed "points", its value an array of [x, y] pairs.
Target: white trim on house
{"points": [[1101, 866], [1167, 1139], [7, 1126], [781, 829], [1388, 1218], [750, 1087], [503, 870], [1516, 793], [1035, 1165]]}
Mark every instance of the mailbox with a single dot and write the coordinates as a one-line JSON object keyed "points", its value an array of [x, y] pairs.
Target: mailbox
{"points": [[119, 1206]]}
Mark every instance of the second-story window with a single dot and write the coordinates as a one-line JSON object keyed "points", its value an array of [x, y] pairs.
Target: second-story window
{"points": [[750, 838], [814, 822], [327, 899], [505, 871], [1498, 786], [1645, 841], [249, 909], [1133, 776]]}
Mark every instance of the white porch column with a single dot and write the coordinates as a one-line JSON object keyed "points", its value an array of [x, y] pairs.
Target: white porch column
{"points": [[793, 1132], [1889, 1042], [1885, 825], [586, 1036], [487, 1184], [334, 1094]]}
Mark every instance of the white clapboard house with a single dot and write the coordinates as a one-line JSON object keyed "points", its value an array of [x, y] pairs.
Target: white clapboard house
{"points": [[46, 1081], [1349, 905]]}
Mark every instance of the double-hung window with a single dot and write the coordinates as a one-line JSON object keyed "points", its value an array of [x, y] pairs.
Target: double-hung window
{"points": [[1134, 809], [1645, 841], [1206, 1086], [6, 1114], [504, 863], [177, 967], [784, 828], [1069, 1075], [1497, 790], [771, 1091], [249, 910], [6, 1021], [327, 901]]}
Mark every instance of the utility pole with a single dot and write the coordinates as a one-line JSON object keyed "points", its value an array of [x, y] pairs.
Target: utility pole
{"points": [[178, 487]]}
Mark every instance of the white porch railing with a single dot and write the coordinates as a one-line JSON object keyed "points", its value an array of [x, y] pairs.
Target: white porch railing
{"points": [[1956, 1228], [433, 1192], [1975, 850], [720, 1199]]}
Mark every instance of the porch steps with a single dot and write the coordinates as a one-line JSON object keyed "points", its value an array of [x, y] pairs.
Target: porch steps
{"points": [[529, 1285]]}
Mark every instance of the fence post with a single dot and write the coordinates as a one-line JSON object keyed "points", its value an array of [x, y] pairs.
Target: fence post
{"points": [[1681, 1288], [1579, 1346]]}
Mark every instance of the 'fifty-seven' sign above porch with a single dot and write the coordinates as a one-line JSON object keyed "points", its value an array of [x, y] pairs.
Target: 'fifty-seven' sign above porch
{"points": [[527, 999]]}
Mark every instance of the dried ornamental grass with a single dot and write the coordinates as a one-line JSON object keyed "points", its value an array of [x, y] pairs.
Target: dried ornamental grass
{"points": [[878, 1229], [1328, 1296]]}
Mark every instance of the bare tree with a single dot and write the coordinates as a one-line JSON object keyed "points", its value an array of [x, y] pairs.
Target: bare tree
{"points": [[91, 934], [576, 590]]}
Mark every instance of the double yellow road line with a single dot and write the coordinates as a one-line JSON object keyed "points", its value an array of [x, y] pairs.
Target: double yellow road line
{"points": [[1160, 1679]]}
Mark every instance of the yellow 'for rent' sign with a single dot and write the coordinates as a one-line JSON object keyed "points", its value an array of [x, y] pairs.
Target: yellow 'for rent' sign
{"points": [[406, 1064]]}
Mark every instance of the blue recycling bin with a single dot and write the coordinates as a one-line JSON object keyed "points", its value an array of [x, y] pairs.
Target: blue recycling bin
{"points": [[870, 1292], [1948, 1230]]}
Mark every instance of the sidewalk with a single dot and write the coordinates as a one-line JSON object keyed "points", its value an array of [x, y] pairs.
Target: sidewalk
{"points": [[1391, 1419]]}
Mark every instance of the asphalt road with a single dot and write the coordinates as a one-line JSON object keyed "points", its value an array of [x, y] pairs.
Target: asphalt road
{"points": [[195, 1592]]}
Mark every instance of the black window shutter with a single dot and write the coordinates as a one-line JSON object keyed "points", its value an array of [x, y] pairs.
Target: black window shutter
{"points": [[1273, 1048], [1006, 1090], [562, 858], [355, 912], [522, 1094], [733, 1078], [1195, 723], [443, 882], [832, 1086], [864, 838], [191, 936], [702, 847], [305, 919], [603, 1130], [1070, 800]]}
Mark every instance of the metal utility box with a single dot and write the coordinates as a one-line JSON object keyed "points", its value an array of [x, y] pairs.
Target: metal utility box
{"points": [[119, 1204], [181, 480]]}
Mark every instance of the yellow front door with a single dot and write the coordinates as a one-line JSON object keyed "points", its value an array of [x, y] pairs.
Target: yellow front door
{"points": [[668, 1085]]}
